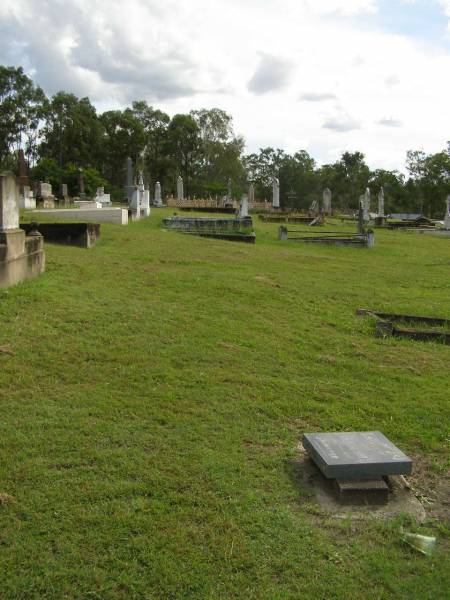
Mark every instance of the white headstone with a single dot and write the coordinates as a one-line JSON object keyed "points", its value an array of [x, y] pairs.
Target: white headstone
{"points": [[276, 193], [101, 197], [180, 190], [243, 210], [327, 195], [158, 201], [366, 205], [9, 202], [447, 214], [381, 203], [251, 194]]}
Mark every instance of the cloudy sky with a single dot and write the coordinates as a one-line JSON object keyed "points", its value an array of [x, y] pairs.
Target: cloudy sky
{"points": [[320, 75]]}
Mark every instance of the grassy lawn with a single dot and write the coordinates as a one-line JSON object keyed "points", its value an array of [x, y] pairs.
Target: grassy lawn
{"points": [[155, 396]]}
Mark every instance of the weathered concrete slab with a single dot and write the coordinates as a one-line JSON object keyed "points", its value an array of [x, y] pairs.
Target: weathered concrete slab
{"points": [[356, 455], [118, 216], [84, 235]]}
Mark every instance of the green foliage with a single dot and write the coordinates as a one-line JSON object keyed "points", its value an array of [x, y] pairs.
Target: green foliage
{"points": [[22, 108], [48, 170], [72, 133]]}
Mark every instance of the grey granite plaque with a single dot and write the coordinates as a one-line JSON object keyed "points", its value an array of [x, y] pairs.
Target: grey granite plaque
{"points": [[356, 455]]}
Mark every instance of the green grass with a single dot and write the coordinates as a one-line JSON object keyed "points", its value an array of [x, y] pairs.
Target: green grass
{"points": [[153, 406]]}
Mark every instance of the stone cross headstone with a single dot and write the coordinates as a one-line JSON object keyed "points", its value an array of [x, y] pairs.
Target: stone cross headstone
{"points": [[9, 202], [243, 209], [251, 194], [275, 193], [447, 214], [158, 201], [381, 203], [327, 196], [180, 189]]}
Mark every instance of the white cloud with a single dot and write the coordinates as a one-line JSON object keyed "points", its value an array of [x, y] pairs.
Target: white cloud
{"points": [[390, 122], [317, 96], [271, 74], [249, 58], [342, 123]]}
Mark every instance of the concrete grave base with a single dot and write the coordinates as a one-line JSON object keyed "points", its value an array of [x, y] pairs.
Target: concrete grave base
{"points": [[118, 216], [84, 235], [316, 487], [21, 257]]}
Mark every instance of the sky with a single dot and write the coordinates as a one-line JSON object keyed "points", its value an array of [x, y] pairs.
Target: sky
{"points": [[325, 76]]}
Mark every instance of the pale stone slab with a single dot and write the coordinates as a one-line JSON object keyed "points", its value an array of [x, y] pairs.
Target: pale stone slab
{"points": [[9, 202], [275, 193], [118, 216], [356, 455]]}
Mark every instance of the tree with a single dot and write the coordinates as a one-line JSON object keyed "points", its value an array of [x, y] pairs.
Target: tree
{"points": [[154, 124], [184, 148], [261, 168], [221, 151], [22, 108], [73, 132], [123, 137], [430, 175]]}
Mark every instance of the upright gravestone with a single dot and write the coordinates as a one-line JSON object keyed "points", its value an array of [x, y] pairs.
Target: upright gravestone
{"points": [[129, 187], [275, 193], [366, 205], [251, 194], [23, 175], [381, 203], [361, 229], [20, 258], [326, 206], [229, 190], [9, 203], [447, 214], [158, 200], [180, 188], [81, 190], [243, 209]]}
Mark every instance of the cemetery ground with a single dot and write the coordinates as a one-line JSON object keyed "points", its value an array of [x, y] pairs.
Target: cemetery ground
{"points": [[153, 394]]}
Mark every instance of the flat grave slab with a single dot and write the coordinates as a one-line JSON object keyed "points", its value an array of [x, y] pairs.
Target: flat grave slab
{"points": [[356, 455]]}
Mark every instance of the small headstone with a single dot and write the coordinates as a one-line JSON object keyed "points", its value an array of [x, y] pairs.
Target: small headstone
{"points": [[23, 175], [356, 455], [180, 190], [366, 205], [158, 200], [326, 206], [81, 190], [381, 203], [447, 214], [251, 194], [243, 209], [9, 202], [275, 193]]}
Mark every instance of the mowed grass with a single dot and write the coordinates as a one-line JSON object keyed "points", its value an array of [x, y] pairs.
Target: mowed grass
{"points": [[154, 402]]}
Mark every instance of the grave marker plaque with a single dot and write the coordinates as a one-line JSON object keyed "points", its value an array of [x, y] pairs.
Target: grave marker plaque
{"points": [[356, 455]]}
